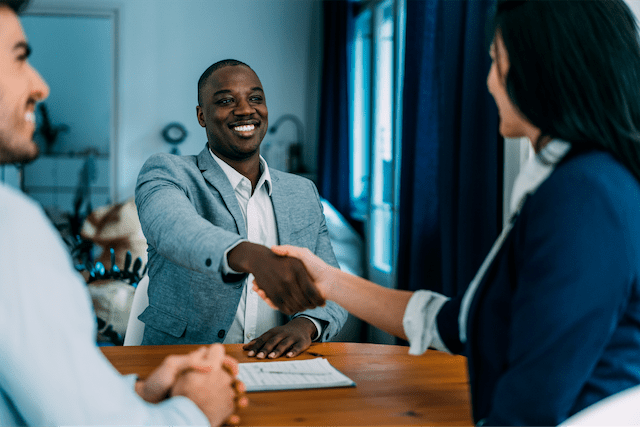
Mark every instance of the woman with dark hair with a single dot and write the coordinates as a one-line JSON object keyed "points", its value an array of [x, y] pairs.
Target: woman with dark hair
{"points": [[551, 322]]}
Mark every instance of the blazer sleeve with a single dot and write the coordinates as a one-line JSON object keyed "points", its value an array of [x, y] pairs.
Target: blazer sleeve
{"points": [[167, 192], [448, 325], [572, 287]]}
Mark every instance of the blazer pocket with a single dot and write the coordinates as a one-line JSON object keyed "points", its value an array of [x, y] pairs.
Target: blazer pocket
{"points": [[156, 318]]}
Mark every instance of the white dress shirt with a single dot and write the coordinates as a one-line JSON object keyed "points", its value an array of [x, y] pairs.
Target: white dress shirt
{"points": [[253, 317], [51, 371], [420, 316]]}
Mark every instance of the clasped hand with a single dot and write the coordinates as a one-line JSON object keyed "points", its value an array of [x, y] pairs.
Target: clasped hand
{"points": [[206, 376]]}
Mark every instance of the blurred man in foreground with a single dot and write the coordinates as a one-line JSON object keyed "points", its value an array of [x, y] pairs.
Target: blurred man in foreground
{"points": [[51, 372]]}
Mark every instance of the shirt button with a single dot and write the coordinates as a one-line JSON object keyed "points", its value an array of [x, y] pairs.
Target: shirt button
{"points": [[249, 335], [221, 333]]}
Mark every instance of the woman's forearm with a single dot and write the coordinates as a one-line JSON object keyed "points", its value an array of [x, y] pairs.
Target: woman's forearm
{"points": [[379, 306]]}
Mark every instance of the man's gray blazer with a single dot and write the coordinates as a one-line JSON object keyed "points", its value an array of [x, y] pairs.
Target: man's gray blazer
{"points": [[190, 216]]}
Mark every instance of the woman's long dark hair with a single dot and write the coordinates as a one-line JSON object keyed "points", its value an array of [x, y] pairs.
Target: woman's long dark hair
{"points": [[575, 71]]}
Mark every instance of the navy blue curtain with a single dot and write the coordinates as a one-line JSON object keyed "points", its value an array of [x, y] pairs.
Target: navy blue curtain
{"points": [[452, 156], [334, 166]]}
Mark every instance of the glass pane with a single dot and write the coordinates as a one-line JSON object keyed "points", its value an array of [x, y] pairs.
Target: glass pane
{"points": [[360, 117], [382, 150]]}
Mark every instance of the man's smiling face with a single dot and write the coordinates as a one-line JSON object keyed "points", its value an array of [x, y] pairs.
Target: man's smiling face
{"points": [[234, 113], [21, 87]]}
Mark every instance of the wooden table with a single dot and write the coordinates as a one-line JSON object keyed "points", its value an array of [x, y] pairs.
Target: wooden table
{"points": [[392, 387]]}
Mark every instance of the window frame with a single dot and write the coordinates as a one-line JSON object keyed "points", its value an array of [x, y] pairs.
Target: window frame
{"points": [[382, 276]]}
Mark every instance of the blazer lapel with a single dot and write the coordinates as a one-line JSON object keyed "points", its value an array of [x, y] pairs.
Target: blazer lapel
{"points": [[281, 210], [215, 176]]}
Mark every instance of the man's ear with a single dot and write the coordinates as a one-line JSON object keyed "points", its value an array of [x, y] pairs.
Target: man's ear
{"points": [[200, 115]]}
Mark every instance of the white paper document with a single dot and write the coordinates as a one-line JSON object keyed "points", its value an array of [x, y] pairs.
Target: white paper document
{"points": [[291, 375]]}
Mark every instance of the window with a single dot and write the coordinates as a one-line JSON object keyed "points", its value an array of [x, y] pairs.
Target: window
{"points": [[360, 135], [376, 117]]}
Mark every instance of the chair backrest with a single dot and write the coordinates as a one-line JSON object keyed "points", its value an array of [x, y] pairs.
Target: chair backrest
{"points": [[135, 328], [621, 409]]}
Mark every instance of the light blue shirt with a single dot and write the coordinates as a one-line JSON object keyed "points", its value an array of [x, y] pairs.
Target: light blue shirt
{"points": [[51, 371]]}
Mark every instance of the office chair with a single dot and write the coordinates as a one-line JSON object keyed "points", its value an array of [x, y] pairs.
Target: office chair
{"points": [[621, 409], [135, 328]]}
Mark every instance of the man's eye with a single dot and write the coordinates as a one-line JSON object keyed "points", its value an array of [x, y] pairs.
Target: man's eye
{"points": [[24, 53], [22, 57], [223, 102], [256, 99]]}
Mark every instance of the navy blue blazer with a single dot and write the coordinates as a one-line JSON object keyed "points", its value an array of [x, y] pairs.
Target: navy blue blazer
{"points": [[555, 324]]}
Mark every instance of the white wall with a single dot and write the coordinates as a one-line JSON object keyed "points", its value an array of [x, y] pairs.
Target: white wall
{"points": [[164, 46]]}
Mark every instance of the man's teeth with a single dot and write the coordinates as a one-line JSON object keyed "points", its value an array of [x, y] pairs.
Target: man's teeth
{"points": [[245, 128], [30, 117]]}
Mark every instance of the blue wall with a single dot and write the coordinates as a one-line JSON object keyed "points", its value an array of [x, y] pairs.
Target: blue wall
{"points": [[73, 54]]}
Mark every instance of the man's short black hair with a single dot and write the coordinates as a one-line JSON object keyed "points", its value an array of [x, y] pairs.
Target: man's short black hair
{"points": [[16, 5], [220, 64]]}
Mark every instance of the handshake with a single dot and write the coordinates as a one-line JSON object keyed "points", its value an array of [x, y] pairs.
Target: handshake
{"points": [[288, 278]]}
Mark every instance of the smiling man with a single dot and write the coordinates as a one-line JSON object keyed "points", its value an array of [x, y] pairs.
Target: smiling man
{"points": [[210, 221], [21, 87]]}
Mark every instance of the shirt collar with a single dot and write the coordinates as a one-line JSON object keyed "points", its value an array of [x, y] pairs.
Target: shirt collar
{"points": [[236, 177], [536, 170]]}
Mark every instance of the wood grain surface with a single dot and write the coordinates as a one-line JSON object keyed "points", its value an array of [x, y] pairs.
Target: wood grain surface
{"points": [[392, 387]]}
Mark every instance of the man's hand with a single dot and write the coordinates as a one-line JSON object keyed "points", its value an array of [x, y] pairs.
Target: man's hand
{"points": [[292, 339], [283, 280], [213, 387], [157, 385]]}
